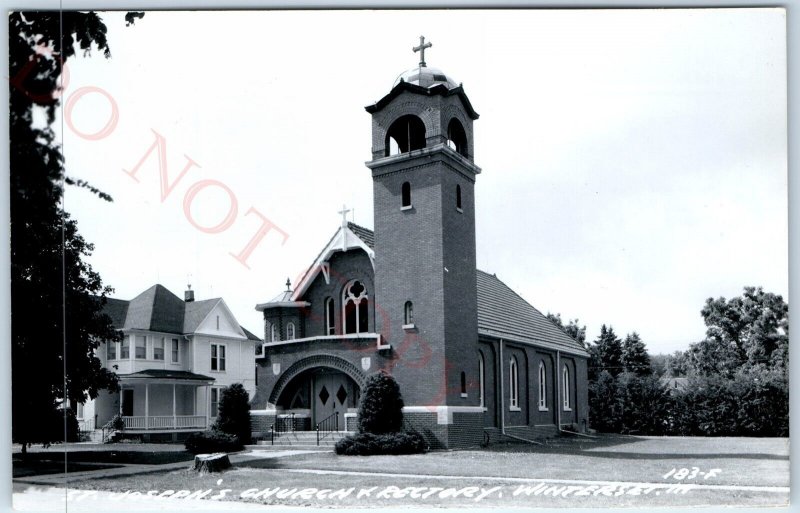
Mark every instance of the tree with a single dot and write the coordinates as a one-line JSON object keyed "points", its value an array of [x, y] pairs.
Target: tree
{"points": [[747, 330], [57, 299], [381, 408], [234, 412], [634, 355], [607, 353], [572, 328]]}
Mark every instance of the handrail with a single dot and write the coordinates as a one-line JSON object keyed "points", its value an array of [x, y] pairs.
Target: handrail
{"points": [[328, 425]]}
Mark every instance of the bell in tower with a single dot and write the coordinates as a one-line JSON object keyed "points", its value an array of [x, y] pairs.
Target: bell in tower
{"points": [[424, 175]]}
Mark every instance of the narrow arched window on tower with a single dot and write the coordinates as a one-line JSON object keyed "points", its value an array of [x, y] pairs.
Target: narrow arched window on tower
{"points": [[457, 137], [458, 197], [290, 331], [463, 384], [408, 314], [405, 191]]}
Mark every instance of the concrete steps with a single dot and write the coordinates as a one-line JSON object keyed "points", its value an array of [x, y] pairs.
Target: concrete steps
{"points": [[305, 439]]}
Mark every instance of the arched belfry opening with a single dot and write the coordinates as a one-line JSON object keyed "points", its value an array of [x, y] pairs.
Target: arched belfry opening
{"points": [[457, 137], [405, 134]]}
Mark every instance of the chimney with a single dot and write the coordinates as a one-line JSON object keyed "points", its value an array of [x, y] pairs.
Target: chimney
{"points": [[188, 296]]}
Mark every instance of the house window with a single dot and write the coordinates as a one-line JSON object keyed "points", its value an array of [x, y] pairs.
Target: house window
{"points": [[463, 384], [175, 350], [158, 349], [565, 384], [290, 331], [330, 324], [214, 402], [356, 308], [217, 357], [406, 193], [542, 387], [125, 348], [111, 350], [482, 375], [513, 375], [458, 197], [141, 347], [408, 314]]}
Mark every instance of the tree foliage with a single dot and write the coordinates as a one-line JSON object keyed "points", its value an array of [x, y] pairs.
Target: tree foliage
{"points": [[56, 297], [635, 358], [234, 412], [572, 328], [606, 353], [737, 376], [381, 408]]}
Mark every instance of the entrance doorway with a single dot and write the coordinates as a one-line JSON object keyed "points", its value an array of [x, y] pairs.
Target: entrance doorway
{"points": [[333, 392]]}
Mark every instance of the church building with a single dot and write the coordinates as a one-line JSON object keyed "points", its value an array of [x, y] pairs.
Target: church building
{"points": [[473, 359]]}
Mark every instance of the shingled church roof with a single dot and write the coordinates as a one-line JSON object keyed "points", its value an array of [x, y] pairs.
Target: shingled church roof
{"points": [[502, 312]]}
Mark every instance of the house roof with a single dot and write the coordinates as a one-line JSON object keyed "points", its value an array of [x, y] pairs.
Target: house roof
{"points": [[167, 374], [158, 309], [505, 314], [250, 336]]}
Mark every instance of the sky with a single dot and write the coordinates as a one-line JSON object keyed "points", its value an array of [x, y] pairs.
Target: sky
{"points": [[634, 162]]}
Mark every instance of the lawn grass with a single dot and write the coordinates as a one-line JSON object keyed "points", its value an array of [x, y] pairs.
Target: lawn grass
{"points": [[761, 462]]}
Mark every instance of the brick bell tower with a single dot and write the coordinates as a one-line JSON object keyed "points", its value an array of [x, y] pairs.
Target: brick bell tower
{"points": [[425, 279]]}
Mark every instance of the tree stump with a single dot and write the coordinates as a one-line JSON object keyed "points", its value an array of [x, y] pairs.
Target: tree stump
{"points": [[216, 462]]}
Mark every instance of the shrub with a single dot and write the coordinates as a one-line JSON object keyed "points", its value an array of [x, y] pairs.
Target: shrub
{"points": [[368, 444], [212, 441], [381, 407], [234, 412]]}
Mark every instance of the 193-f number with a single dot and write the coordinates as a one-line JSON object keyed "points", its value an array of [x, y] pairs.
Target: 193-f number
{"points": [[681, 474]]}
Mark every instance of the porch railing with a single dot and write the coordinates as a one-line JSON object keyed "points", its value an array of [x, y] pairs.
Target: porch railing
{"points": [[327, 425], [165, 422], [283, 424]]}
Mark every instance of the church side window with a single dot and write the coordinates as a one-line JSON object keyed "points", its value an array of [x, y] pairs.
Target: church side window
{"points": [[330, 324], [408, 314], [290, 331], [356, 308], [542, 387], [513, 375], [463, 384], [406, 193], [565, 384], [482, 375], [458, 197]]}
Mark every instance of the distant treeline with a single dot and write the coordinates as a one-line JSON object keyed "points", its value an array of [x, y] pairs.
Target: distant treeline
{"points": [[732, 383]]}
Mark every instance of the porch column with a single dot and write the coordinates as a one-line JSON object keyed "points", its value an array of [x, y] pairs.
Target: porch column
{"points": [[208, 406], [146, 405], [174, 413]]}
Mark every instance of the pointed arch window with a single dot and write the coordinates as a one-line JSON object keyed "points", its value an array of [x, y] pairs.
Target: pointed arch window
{"points": [[482, 377], [513, 388], [330, 323], [405, 191], [290, 331], [542, 387], [270, 332], [566, 388], [355, 301]]}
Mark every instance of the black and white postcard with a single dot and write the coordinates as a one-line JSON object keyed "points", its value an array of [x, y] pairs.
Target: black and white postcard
{"points": [[398, 258]]}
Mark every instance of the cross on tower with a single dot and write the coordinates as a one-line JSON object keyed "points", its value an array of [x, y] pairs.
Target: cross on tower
{"points": [[344, 211], [421, 49]]}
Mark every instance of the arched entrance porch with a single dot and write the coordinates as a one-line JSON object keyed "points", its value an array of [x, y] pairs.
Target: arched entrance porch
{"points": [[319, 387]]}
